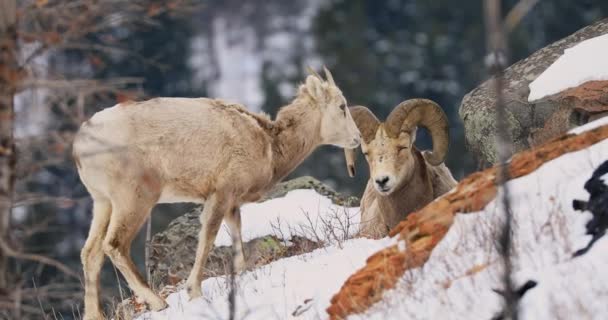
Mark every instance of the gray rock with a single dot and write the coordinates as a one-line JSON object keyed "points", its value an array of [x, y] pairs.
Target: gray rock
{"points": [[173, 250], [524, 118], [308, 182]]}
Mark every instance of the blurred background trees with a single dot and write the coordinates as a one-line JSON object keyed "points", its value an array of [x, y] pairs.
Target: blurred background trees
{"points": [[82, 56], [52, 54]]}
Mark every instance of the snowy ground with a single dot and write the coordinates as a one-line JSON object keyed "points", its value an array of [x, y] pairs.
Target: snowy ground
{"points": [[457, 281], [301, 284], [304, 283], [576, 66]]}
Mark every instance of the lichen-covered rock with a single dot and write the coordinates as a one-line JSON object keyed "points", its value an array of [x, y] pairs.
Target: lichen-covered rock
{"points": [[308, 182], [527, 120], [173, 250], [574, 107]]}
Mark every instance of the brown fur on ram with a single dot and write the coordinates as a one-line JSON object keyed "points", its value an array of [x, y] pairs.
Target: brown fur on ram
{"points": [[402, 178]]}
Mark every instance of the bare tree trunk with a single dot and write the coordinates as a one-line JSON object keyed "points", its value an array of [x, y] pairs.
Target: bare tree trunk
{"points": [[9, 75], [496, 62]]}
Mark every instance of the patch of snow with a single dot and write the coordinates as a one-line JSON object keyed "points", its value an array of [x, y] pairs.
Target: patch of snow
{"points": [[584, 62], [590, 126], [458, 280], [573, 289], [301, 284], [300, 212]]}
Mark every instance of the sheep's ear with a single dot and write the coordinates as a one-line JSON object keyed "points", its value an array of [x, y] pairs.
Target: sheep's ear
{"points": [[351, 157], [314, 86], [413, 136]]}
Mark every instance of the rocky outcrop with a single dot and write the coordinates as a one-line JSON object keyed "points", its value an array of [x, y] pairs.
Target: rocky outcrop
{"points": [[529, 121], [421, 231], [173, 250], [308, 182], [573, 107]]}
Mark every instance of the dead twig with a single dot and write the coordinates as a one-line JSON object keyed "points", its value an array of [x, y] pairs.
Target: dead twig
{"points": [[517, 13], [37, 258]]}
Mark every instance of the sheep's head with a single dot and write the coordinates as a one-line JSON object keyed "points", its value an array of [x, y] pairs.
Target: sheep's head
{"points": [[389, 147], [337, 126]]}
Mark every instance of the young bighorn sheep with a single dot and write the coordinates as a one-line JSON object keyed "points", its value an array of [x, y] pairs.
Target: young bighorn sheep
{"points": [[164, 150], [402, 179]]}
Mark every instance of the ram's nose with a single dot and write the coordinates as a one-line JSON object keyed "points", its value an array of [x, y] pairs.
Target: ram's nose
{"points": [[382, 182]]}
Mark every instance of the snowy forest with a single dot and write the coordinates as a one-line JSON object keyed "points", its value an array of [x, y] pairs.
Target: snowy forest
{"points": [[63, 61]]}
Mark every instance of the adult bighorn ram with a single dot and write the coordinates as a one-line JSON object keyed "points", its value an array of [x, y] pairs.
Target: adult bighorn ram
{"points": [[164, 150], [402, 178]]}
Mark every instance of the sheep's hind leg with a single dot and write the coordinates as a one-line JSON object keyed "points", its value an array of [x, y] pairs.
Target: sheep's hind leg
{"points": [[126, 220], [92, 258], [233, 220], [211, 219]]}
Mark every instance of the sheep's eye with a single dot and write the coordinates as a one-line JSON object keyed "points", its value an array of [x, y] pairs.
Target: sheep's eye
{"points": [[401, 148], [343, 107], [366, 154]]}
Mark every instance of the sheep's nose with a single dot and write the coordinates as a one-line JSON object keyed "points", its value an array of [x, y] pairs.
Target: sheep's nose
{"points": [[381, 181]]}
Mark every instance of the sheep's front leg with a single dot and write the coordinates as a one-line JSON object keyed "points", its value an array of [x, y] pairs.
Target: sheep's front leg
{"points": [[211, 219], [233, 220]]}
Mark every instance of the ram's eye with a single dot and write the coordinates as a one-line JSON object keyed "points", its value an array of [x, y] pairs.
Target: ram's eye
{"points": [[402, 148], [366, 154]]}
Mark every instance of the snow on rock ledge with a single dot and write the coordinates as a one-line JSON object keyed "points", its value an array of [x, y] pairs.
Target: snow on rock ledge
{"points": [[285, 214], [572, 107], [584, 62], [450, 266]]}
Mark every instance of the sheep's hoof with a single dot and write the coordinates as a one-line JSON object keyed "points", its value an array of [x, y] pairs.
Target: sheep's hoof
{"points": [[157, 304], [93, 316]]}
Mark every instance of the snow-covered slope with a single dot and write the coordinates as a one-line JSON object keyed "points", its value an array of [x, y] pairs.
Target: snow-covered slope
{"points": [[457, 281], [584, 62], [304, 283], [296, 287]]}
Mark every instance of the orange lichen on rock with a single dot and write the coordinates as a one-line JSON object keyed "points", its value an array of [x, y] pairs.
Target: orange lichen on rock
{"points": [[575, 106], [591, 96], [422, 230]]}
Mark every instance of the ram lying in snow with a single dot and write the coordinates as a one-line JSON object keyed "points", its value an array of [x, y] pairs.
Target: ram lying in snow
{"points": [[402, 178], [135, 155]]}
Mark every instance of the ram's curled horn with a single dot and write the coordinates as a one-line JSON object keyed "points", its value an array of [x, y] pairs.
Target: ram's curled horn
{"points": [[367, 123], [329, 77], [422, 113]]}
